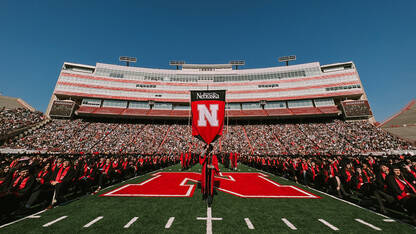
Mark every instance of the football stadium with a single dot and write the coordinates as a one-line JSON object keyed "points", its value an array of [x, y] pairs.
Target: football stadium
{"points": [[119, 150]]}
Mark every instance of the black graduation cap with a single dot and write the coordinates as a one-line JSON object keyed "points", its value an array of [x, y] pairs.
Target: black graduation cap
{"points": [[397, 166]]}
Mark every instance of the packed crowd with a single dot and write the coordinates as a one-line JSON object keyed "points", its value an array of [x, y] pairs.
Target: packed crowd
{"points": [[384, 181], [13, 119], [26, 181], [322, 155], [334, 137]]}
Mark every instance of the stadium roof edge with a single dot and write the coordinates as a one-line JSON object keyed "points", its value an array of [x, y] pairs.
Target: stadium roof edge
{"points": [[78, 65], [267, 69]]}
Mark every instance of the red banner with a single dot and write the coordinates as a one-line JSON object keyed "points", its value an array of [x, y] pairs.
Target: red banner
{"points": [[208, 110]]}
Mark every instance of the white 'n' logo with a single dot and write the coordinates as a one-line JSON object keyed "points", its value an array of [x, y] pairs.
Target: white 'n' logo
{"points": [[210, 115]]}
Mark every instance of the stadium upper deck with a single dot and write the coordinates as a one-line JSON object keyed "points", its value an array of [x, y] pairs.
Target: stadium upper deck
{"points": [[297, 90]]}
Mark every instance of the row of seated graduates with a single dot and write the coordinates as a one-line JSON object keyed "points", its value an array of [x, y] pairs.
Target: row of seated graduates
{"points": [[372, 180], [27, 180]]}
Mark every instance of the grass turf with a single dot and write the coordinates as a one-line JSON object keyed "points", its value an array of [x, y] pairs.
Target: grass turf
{"points": [[154, 212]]}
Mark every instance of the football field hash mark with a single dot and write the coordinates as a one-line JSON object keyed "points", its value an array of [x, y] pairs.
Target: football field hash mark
{"points": [[131, 222], [209, 220], [249, 224], [169, 223], [368, 224], [289, 224], [328, 224], [389, 220], [55, 221], [94, 221]]}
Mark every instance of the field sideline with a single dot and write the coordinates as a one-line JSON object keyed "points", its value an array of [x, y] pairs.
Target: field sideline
{"points": [[229, 214]]}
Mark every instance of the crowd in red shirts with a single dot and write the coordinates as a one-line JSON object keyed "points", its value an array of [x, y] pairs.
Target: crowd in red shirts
{"points": [[46, 179], [13, 119], [107, 152], [374, 180], [333, 137]]}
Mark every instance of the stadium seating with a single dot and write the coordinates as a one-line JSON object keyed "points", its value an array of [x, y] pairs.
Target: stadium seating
{"points": [[279, 112], [328, 109], [259, 112], [159, 112], [234, 113], [306, 111], [135, 112], [86, 109], [180, 113], [109, 110]]}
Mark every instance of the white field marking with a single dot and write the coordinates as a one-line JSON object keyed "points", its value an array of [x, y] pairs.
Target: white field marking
{"points": [[289, 224], [350, 203], [94, 221], [209, 220], [328, 224], [170, 169], [249, 224], [128, 185], [294, 187], [169, 223], [116, 190], [224, 177], [183, 183], [329, 195], [307, 195], [106, 188], [389, 220], [368, 224], [131, 222], [52, 222], [33, 217], [7, 224]]}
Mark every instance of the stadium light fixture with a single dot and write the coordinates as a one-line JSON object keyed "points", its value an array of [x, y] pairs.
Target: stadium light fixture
{"points": [[287, 59], [128, 60], [176, 63], [237, 63]]}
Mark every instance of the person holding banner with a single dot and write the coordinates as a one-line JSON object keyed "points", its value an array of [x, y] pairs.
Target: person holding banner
{"points": [[208, 111], [209, 163]]}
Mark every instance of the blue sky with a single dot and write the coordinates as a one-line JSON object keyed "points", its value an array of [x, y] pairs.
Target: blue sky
{"points": [[37, 37]]}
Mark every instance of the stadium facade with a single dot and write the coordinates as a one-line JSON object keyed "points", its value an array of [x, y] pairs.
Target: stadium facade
{"points": [[304, 90]]}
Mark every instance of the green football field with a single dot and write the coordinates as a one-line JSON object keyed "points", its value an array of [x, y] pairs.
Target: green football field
{"points": [[229, 214]]}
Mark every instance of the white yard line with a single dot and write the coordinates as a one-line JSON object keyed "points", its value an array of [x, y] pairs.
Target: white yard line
{"points": [[350, 203], [328, 224], [131, 222], [169, 223], [209, 220], [55, 221], [289, 224], [389, 220], [29, 216], [249, 224], [94, 221], [368, 224]]}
